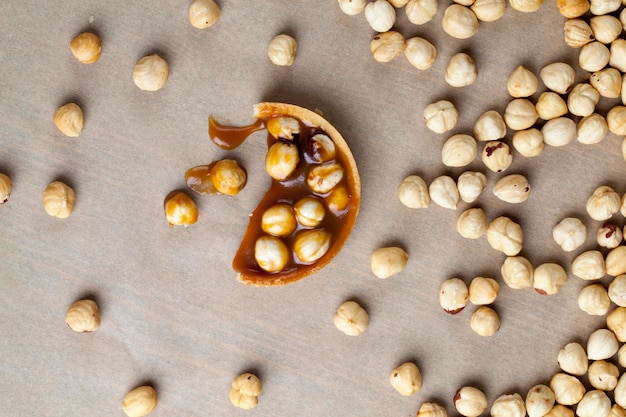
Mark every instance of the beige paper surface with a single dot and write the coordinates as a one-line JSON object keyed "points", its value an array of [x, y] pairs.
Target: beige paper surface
{"points": [[173, 314]]}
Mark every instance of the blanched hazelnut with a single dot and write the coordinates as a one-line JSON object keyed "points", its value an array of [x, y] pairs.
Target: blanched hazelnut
{"points": [[616, 120], [320, 148], [592, 129], [83, 316], [278, 220], [609, 236], [86, 47], [271, 254], [420, 53], [420, 12], [522, 83], [569, 233], [140, 401], [489, 10], [483, 291], [601, 7], [572, 359], [69, 119], [485, 321], [459, 150], [508, 405], [539, 400], [506, 236], [309, 211], [606, 28], [589, 265], [453, 295], [286, 128], [594, 404], [568, 390], [489, 126], [529, 142], [5, 188], [497, 156], [388, 261], [58, 200], [413, 192], [441, 116], [470, 401], [398, 3], [520, 114], [406, 379], [517, 272], [203, 13], [593, 56], [351, 318], [444, 192], [430, 409], [380, 15], [387, 46], [577, 33], [472, 223], [150, 73], [616, 322], [526, 6], [470, 185], [608, 82], [549, 278], [282, 50], [617, 411], [311, 245], [550, 105], [338, 199], [459, 22], [559, 131], [582, 100], [228, 177], [602, 344], [573, 8], [512, 188], [245, 390], [558, 77], [617, 58], [594, 300], [281, 160], [352, 7], [615, 261], [603, 203], [461, 70], [619, 393], [603, 375], [617, 290]]}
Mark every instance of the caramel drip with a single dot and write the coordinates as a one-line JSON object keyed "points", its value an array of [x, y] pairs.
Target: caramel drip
{"points": [[230, 137]]}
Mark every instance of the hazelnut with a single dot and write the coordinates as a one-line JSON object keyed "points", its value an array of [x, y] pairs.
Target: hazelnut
{"points": [[508, 405], [444, 192], [320, 148], [485, 321], [506, 236], [461, 70], [5, 188], [459, 150], [603, 375], [594, 404], [470, 185], [338, 199], [572, 359], [602, 344], [603, 203], [539, 400], [512, 188], [284, 128], [594, 300], [549, 278], [489, 126], [203, 13], [528, 142], [86, 47], [593, 56], [388, 261], [522, 82], [483, 291], [568, 390], [351, 318], [601, 7], [453, 295], [616, 322], [470, 401], [472, 223], [570, 233], [606, 28], [617, 58], [282, 50], [323, 178], [520, 114], [69, 119], [406, 379], [550, 105], [577, 33], [352, 7], [271, 254], [311, 245], [441, 116], [559, 131], [83, 316], [609, 236], [617, 290], [459, 22], [526, 6], [420, 12], [413, 192], [517, 272], [387, 46], [430, 409], [278, 220], [489, 10], [608, 82], [616, 120], [309, 211], [180, 209], [58, 200], [497, 156], [573, 8], [582, 100], [140, 401], [228, 177], [420, 53], [150, 73], [245, 390], [558, 77], [615, 261], [592, 129], [281, 160], [380, 15]]}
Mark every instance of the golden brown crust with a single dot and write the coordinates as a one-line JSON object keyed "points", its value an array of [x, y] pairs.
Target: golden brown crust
{"points": [[308, 117]]}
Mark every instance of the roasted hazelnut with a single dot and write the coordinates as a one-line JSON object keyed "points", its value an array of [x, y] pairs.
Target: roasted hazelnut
{"points": [[603, 375], [483, 291], [520, 114], [570, 233], [58, 200], [284, 128], [281, 160], [441, 116], [180, 209], [271, 254], [615, 261], [5, 188], [459, 22], [140, 401], [558, 77], [86, 47], [323, 178], [320, 148], [603, 203], [617, 290], [430, 409], [420, 12], [380, 15], [309, 211], [577, 33], [387, 46], [616, 322], [459, 150], [529, 142], [522, 83], [278, 220], [594, 300], [228, 177], [311, 245], [594, 404], [83, 316], [245, 390], [490, 126], [69, 119], [338, 199], [420, 53]]}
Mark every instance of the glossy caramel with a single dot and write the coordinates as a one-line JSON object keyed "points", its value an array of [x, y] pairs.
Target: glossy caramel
{"points": [[338, 223]]}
